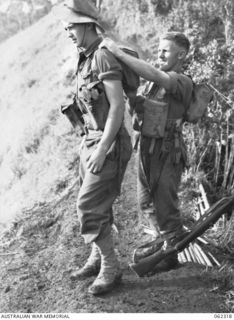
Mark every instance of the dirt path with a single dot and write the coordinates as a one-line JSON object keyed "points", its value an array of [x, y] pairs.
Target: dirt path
{"points": [[39, 251]]}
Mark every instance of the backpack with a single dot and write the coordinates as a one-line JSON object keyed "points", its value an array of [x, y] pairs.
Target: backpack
{"points": [[202, 95], [131, 80]]}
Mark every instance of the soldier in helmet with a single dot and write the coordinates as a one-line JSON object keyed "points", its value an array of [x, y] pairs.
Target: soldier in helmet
{"points": [[102, 164]]}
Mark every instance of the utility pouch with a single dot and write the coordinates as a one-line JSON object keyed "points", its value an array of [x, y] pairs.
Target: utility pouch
{"points": [[95, 103], [155, 118], [74, 115]]}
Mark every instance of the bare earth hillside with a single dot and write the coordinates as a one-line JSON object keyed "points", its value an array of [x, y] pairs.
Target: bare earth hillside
{"points": [[39, 158], [39, 251]]}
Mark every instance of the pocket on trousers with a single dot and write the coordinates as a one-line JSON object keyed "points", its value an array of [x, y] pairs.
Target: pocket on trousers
{"points": [[112, 153]]}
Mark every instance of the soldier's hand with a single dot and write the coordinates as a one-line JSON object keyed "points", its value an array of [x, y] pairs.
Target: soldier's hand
{"points": [[96, 161], [111, 46]]}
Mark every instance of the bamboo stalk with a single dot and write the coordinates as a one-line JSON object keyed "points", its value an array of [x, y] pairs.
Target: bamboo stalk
{"points": [[231, 182], [202, 240], [197, 259], [204, 256], [217, 160], [203, 155], [200, 208], [226, 156], [198, 254], [204, 197], [230, 159], [188, 257], [214, 259], [231, 167], [184, 256], [221, 139], [181, 257], [190, 248]]}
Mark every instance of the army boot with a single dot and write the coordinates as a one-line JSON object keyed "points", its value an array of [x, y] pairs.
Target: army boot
{"points": [[170, 262], [91, 267], [150, 246], [110, 274], [153, 224]]}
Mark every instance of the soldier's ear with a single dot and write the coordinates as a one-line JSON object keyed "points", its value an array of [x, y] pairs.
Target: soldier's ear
{"points": [[182, 54], [91, 26]]}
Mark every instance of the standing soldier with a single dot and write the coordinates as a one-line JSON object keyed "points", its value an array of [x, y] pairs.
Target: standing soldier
{"points": [[162, 153], [107, 145]]}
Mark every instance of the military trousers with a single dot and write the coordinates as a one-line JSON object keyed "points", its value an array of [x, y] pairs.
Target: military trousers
{"points": [[98, 192], [158, 181]]}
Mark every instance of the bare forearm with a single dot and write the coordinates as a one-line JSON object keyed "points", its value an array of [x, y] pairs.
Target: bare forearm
{"points": [[113, 124], [114, 93]]}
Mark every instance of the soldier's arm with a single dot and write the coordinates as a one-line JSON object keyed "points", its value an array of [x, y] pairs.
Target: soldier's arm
{"points": [[114, 93], [110, 73], [141, 67]]}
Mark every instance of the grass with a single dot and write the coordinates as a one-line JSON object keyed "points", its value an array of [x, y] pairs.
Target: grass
{"points": [[38, 148]]}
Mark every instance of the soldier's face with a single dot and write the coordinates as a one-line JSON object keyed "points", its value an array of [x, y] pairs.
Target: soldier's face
{"points": [[76, 32], [169, 55]]}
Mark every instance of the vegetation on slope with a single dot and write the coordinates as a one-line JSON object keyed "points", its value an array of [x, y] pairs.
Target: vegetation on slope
{"points": [[39, 150]]}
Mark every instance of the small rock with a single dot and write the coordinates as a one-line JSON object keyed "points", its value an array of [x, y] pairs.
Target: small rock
{"points": [[24, 277], [40, 285], [8, 288]]}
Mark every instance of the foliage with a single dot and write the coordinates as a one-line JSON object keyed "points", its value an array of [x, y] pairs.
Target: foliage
{"points": [[38, 152], [17, 15], [207, 24], [213, 137]]}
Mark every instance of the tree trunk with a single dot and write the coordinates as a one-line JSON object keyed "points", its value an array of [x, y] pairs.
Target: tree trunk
{"points": [[98, 4], [228, 10]]}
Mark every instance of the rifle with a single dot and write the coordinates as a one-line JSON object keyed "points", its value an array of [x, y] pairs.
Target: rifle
{"points": [[208, 219]]}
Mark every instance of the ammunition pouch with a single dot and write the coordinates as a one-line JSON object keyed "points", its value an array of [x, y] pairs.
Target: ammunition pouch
{"points": [[95, 105], [150, 117], [74, 115], [155, 118]]}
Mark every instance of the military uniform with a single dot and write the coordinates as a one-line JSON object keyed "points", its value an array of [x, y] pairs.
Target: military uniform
{"points": [[98, 191], [161, 160], [89, 114]]}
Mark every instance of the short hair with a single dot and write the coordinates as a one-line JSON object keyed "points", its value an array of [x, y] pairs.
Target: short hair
{"points": [[179, 38]]}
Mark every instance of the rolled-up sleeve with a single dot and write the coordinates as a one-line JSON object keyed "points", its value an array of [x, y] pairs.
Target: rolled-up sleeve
{"points": [[108, 68]]}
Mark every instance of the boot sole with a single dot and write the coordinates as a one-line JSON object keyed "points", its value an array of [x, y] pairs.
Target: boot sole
{"points": [[84, 276], [107, 288], [75, 278]]}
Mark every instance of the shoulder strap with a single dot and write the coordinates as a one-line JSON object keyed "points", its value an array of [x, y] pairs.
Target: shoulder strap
{"points": [[92, 57], [150, 87]]}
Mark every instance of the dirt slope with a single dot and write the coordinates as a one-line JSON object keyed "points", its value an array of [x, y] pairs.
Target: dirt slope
{"points": [[43, 244], [39, 251]]}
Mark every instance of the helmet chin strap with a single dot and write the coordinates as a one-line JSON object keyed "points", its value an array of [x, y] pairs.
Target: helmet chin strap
{"points": [[84, 34]]}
